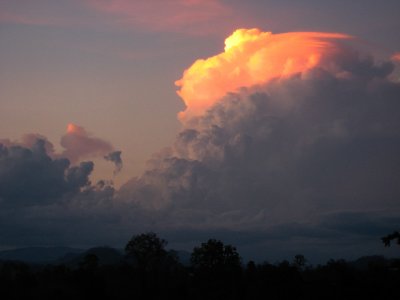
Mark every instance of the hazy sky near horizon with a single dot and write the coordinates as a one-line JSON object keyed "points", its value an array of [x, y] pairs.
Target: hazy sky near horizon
{"points": [[95, 77]]}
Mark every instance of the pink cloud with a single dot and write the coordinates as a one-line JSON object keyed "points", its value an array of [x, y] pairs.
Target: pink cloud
{"points": [[78, 143], [8, 17], [46, 13], [189, 16], [396, 57], [184, 16]]}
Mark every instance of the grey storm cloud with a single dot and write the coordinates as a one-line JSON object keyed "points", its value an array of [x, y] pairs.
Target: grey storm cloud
{"points": [[29, 176], [301, 163], [115, 157], [46, 201], [287, 152], [78, 144], [29, 140]]}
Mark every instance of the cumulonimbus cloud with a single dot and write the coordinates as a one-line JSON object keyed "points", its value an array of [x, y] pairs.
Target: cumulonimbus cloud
{"points": [[251, 57], [307, 157], [323, 138]]}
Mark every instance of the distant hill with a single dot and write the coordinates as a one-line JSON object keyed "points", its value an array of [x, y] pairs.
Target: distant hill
{"points": [[105, 255], [72, 256], [366, 262], [38, 254]]}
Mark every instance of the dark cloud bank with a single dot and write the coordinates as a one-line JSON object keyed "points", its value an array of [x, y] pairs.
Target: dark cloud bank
{"points": [[305, 164], [28, 176]]}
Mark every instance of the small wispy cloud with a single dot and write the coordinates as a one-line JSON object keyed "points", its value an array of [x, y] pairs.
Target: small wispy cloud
{"points": [[115, 157], [78, 143], [185, 16], [23, 18]]}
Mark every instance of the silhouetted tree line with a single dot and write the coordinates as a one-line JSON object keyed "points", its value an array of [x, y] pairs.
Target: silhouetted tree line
{"points": [[216, 271]]}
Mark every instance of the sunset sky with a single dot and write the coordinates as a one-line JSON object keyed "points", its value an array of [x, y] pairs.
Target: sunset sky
{"points": [[286, 138]]}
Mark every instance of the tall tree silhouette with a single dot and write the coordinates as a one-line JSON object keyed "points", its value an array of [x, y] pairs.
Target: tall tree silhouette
{"points": [[146, 250], [299, 261], [217, 270], [156, 271]]}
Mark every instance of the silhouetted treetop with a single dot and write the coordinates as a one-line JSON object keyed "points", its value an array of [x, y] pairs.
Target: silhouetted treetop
{"points": [[145, 249], [215, 255], [216, 273], [90, 262], [299, 261], [387, 239]]}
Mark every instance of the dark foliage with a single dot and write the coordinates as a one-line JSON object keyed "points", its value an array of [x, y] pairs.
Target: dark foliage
{"points": [[217, 271], [149, 271], [394, 236], [146, 250]]}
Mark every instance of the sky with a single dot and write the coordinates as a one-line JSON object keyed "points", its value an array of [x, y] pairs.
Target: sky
{"points": [[119, 117]]}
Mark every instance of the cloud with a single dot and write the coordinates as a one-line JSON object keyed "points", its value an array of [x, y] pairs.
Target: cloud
{"points": [[396, 57], [46, 201], [187, 16], [29, 140], [29, 176], [307, 162], [251, 57], [293, 149], [45, 13], [191, 17], [80, 144], [115, 157], [84, 218], [26, 19], [347, 235]]}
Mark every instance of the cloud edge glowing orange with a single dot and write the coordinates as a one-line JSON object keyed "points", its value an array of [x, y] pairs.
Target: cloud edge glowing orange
{"points": [[250, 57]]}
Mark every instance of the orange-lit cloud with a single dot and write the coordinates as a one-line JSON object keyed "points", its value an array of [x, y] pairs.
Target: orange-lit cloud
{"points": [[396, 57], [190, 16], [75, 129], [250, 57], [80, 144]]}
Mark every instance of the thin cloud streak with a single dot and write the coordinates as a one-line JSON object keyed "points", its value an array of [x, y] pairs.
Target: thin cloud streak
{"points": [[8, 17], [185, 16]]}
